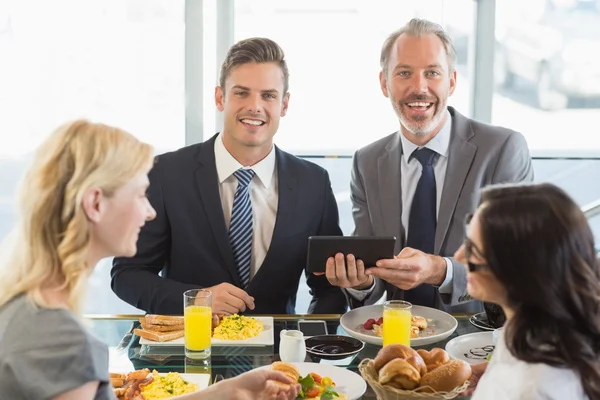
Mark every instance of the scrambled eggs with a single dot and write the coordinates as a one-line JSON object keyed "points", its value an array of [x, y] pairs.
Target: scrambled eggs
{"points": [[167, 386], [238, 327]]}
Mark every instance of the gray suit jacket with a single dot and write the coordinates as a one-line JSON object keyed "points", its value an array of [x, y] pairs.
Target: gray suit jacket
{"points": [[479, 155]]}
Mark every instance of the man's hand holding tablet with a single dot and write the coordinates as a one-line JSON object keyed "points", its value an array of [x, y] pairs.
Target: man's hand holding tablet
{"points": [[344, 260]]}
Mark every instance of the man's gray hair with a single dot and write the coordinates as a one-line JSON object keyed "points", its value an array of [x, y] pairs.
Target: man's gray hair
{"points": [[418, 27]]}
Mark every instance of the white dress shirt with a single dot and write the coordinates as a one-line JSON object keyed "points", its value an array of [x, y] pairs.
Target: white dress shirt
{"points": [[264, 196], [508, 378], [410, 172]]}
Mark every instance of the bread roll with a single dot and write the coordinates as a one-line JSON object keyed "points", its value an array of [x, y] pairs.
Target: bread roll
{"points": [[418, 363], [434, 358], [447, 377], [392, 351], [399, 374], [288, 369]]}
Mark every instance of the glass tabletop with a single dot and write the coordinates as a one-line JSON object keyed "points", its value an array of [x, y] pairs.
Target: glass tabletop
{"points": [[126, 353]]}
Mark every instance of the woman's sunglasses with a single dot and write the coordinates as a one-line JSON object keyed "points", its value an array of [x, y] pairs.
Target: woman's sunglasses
{"points": [[469, 247]]}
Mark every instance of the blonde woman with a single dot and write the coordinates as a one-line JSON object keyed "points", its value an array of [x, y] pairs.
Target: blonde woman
{"points": [[83, 199]]}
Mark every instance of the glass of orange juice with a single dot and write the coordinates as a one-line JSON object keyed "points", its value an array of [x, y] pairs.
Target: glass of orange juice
{"points": [[197, 315], [396, 322]]}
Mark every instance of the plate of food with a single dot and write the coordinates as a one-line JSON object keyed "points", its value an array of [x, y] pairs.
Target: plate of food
{"points": [[472, 348], [428, 325], [146, 385], [321, 381], [232, 330]]}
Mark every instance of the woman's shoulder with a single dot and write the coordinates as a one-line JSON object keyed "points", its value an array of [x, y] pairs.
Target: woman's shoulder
{"points": [[27, 326]]}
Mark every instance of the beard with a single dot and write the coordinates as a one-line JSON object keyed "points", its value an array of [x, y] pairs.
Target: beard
{"points": [[421, 125]]}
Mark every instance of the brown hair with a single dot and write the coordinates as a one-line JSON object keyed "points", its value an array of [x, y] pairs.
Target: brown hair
{"points": [[418, 28], [254, 50], [539, 245]]}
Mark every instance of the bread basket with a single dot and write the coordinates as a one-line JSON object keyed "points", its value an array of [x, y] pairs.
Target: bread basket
{"points": [[385, 392]]}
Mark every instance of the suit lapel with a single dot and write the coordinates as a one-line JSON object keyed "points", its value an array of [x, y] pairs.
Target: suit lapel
{"points": [[460, 157], [286, 205], [208, 189], [287, 186], [390, 192]]}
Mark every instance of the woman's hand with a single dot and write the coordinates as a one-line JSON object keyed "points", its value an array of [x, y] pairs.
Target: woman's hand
{"points": [[259, 384], [478, 370]]}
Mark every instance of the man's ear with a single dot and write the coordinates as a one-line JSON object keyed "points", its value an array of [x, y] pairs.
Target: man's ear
{"points": [[452, 83], [286, 101], [383, 83], [92, 204], [219, 98]]}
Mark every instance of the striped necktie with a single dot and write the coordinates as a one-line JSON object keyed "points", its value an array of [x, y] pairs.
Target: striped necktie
{"points": [[240, 227]]}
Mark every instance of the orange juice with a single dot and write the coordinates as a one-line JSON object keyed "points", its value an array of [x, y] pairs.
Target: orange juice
{"points": [[396, 326], [198, 323]]}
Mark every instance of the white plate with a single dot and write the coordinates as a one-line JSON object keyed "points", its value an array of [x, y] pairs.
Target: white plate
{"points": [[440, 325], [265, 338], [472, 348], [347, 382], [202, 380]]}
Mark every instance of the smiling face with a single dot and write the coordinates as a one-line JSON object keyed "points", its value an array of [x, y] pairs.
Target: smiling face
{"points": [[120, 217], [253, 103], [418, 83], [481, 284]]}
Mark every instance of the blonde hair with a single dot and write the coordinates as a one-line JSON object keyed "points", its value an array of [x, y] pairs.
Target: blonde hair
{"points": [[52, 238], [418, 28]]}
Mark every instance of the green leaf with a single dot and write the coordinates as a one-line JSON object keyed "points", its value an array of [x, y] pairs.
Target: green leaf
{"points": [[328, 394], [307, 383]]}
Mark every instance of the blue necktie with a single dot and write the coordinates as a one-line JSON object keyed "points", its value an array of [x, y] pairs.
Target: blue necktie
{"points": [[422, 223], [240, 227]]}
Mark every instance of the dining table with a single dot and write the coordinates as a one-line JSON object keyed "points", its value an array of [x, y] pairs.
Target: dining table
{"points": [[127, 354]]}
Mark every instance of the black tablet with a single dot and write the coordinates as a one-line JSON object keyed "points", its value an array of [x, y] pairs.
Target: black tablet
{"points": [[368, 249]]}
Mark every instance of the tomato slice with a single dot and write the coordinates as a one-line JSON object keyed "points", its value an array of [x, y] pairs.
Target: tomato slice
{"points": [[316, 377], [314, 392]]}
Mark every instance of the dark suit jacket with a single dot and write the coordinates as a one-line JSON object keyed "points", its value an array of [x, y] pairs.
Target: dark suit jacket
{"points": [[189, 244], [478, 155]]}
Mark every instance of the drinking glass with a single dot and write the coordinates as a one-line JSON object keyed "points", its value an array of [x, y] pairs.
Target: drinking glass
{"points": [[396, 322], [197, 313]]}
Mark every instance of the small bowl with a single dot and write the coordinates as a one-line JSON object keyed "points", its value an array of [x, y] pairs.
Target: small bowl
{"points": [[333, 347]]}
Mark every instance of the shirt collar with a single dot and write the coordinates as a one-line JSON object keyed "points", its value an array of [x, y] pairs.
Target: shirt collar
{"points": [[227, 165], [439, 143]]}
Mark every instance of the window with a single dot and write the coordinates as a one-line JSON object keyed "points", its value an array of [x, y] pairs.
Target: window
{"points": [[118, 62], [547, 76], [547, 70], [333, 48]]}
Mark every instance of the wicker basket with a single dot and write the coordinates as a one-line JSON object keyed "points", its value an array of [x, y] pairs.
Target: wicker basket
{"points": [[385, 392]]}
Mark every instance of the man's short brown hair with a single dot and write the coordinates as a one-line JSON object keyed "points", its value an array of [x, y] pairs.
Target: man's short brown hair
{"points": [[254, 50]]}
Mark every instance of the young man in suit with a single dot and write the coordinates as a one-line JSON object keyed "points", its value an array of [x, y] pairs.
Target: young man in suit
{"points": [[418, 184], [234, 213]]}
